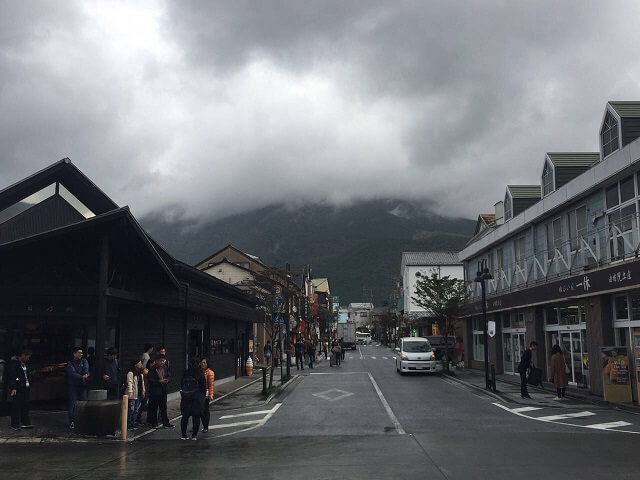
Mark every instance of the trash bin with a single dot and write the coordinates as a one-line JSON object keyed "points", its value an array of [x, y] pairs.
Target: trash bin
{"points": [[97, 416]]}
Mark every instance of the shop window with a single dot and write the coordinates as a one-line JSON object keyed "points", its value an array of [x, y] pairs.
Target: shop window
{"points": [[570, 315], [506, 321], [635, 306], [551, 316], [518, 321], [621, 308], [222, 345]]}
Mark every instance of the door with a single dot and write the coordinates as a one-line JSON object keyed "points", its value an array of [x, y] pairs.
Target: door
{"points": [[194, 353], [518, 349], [507, 353], [571, 343]]}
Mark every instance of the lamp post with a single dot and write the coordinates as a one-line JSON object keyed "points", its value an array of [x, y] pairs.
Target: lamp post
{"points": [[482, 275]]}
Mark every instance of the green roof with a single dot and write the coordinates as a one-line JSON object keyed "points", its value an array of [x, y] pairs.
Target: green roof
{"points": [[525, 191], [573, 159], [626, 109]]}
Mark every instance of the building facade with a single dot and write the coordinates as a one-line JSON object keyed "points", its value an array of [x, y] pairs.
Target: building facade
{"points": [[565, 268]]}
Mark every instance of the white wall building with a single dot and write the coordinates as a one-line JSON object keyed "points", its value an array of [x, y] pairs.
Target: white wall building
{"points": [[360, 313], [417, 264]]}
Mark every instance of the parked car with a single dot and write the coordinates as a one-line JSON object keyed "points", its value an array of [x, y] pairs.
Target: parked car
{"points": [[415, 355]]}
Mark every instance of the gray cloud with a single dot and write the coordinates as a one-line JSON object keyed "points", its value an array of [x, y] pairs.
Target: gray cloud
{"points": [[199, 109]]}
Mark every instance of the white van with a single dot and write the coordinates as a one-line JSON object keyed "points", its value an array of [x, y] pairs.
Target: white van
{"points": [[415, 355]]}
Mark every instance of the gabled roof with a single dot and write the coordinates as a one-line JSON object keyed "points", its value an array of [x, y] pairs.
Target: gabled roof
{"points": [[66, 173], [430, 258], [204, 263], [525, 191], [573, 159], [626, 109]]}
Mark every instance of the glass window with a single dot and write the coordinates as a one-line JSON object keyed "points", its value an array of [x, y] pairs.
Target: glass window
{"points": [[621, 308], [508, 212], [635, 306], [609, 135], [520, 249], [627, 191], [506, 321], [551, 316], [570, 315], [416, 346], [547, 179], [612, 196], [557, 233], [518, 320]]}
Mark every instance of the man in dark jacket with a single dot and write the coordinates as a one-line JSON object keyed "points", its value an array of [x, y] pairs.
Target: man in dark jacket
{"points": [[19, 391], [77, 378], [111, 375], [158, 386], [526, 362]]}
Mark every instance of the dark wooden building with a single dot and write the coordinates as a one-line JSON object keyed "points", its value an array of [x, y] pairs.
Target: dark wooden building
{"points": [[77, 270]]}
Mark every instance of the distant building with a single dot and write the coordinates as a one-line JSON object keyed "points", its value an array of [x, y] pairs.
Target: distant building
{"points": [[360, 313]]}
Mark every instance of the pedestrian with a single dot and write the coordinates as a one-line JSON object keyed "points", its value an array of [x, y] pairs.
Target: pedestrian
{"points": [[559, 371], [111, 377], [267, 353], [325, 346], [209, 377], [167, 364], [146, 355], [299, 348], [19, 388], [77, 370], [311, 352], [278, 355], [526, 363], [158, 389], [342, 349], [336, 353], [146, 401], [192, 400], [135, 391]]}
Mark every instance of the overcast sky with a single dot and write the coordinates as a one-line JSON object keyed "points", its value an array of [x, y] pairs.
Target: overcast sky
{"points": [[204, 108]]}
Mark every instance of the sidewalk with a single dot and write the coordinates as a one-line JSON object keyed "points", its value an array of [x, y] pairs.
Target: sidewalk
{"points": [[508, 389], [52, 426]]}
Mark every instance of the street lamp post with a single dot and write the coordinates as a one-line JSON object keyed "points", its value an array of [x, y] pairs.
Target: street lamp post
{"points": [[482, 275]]}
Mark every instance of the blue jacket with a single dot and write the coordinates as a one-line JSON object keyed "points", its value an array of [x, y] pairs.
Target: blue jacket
{"points": [[75, 371]]}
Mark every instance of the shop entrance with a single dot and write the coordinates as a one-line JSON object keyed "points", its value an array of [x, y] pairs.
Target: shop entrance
{"points": [[575, 353], [513, 348]]}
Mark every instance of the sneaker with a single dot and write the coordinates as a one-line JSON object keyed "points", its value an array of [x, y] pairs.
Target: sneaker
{"points": [[168, 426], [26, 426], [194, 438], [557, 398], [205, 430], [156, 426], [72, 426], [184, 438]]}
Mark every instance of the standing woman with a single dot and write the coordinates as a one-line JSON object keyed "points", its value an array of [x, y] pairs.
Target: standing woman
{"points": [[559, 371], [135, 391], [209, 378]]}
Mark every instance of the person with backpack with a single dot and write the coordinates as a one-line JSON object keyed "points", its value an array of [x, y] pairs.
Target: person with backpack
{"points": [[192, 400], [209, 378]]}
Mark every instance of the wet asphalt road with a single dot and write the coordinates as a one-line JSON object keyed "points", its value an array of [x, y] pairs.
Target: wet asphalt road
{"points": [[362, 420]]}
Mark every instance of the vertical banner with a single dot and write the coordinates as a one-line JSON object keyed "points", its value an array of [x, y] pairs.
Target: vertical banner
{"points": [[615, 374], [635, 338]]}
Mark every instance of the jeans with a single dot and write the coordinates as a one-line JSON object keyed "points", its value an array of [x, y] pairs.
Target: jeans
{"points": [[75, 394], [184, 422], [20, 408], [134, 405]]}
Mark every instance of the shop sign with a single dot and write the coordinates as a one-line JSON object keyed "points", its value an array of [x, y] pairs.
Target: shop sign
{"points": [[636, 357], [491, 328], [615, 374]]}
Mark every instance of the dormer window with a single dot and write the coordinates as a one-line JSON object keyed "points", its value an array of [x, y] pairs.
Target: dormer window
{"points": [[508, 208], [548, 184], [609, 135]]}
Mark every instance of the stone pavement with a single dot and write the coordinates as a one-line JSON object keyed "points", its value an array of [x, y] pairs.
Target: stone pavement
{"points": [[508, 389], [52, 426]]}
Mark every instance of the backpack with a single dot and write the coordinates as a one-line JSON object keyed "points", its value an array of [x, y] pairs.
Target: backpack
{"points": [[189, 388]]}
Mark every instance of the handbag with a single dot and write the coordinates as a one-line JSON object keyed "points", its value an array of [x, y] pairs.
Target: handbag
{"points": [[566, 368]]}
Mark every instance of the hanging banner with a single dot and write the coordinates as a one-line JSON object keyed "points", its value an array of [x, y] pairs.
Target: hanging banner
{"points": [[636, 358], [615, 374]]}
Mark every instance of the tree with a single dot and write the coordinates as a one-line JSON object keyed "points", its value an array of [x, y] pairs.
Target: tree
{"points": [[443, 297]]}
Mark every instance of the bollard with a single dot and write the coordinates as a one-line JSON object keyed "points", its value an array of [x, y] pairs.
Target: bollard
{"points": [[125, 412], [264, 380]]}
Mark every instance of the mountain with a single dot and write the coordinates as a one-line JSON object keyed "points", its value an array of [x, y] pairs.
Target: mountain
{"points": [[357, 247]]}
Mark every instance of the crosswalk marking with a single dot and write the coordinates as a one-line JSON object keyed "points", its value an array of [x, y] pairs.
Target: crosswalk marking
{"points": [[261, 412], [384, 358], [606, 426], [567, 415], [373, 358], [525, 409]]}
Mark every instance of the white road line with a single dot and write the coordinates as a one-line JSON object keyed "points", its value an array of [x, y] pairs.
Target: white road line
{"points": [[261, 412], [385, 358], [373, 358], [260, 423], [525, 409], [567, 415], [393, 358], [386, 406], [607, 426], [360, 350], [236, 424]]}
